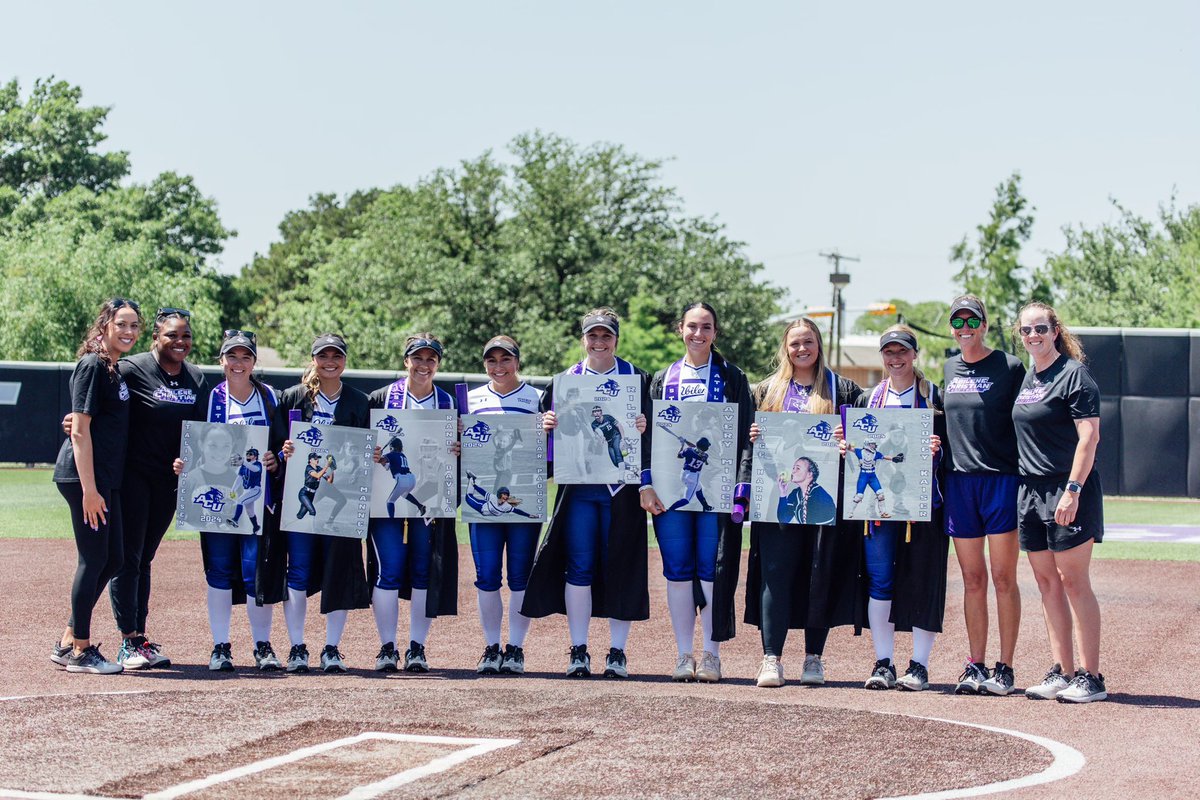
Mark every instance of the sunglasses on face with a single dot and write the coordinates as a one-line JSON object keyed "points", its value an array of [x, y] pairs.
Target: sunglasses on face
{"points": [[165, 312], [971, 322], [1041, 329], [248, 334]]}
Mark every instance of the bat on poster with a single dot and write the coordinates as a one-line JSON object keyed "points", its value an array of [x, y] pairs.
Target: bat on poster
{"points": [[682, 439]]}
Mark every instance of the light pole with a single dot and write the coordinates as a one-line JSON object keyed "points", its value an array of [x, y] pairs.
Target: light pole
{"points": [[838, 280]]}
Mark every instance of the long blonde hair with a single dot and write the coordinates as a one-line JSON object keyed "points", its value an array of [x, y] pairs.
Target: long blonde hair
{"points": [[771, 392], [1066, 342], [921, 381]]}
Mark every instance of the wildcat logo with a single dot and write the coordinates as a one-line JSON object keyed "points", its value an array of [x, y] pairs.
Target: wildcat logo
{"points": [[671, 414], [822, 431], [213, 500], [867, 424], [388, 424], [609, 387], [311, 437], [480, 432]]}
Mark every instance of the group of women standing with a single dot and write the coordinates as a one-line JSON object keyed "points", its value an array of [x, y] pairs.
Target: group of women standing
{"points": [[1013, 463]]}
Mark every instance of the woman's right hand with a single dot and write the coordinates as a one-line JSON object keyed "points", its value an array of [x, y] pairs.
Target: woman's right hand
{"points": [[66, 423], [288, 449], [94, 509], [651, 503], [549, 421], [178, 466], [755, 432]]}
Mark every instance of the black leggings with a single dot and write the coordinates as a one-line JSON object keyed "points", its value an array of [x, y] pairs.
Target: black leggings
{"points": [[100, 553], [780, 552], [149, 505]]}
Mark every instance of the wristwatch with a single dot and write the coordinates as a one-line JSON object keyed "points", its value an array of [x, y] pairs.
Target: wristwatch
{"points": [[1074, 487]]}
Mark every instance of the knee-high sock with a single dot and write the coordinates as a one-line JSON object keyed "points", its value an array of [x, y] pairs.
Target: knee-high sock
{"points": [[418, 623], [295, 609], [618, 632], [518, 623], [335, 623], [491, 616], [883, 632], [220, 608], [682, 607], [579, 612], [260, 620], [922, 645], [706, 619], [385, 605]]}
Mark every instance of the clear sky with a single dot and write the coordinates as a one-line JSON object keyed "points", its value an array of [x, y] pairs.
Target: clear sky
{"points": [[877, 128]]}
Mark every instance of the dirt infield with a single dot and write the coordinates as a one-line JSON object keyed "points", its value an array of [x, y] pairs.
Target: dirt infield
{"points": [[545, 735]]}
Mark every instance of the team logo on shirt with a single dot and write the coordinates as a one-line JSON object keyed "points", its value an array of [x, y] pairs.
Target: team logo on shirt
{"points": [[609, 387], [692, 390], [965, 385], [311, 437], [123, 393], [479, 432], [1033, 393], [671, 414], [389, 424], [868, 423], [212, 499], [822, 431]]}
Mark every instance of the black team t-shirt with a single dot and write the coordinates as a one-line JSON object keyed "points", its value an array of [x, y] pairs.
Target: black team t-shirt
{"points": [[1045, 414], [161, 403], [979, 399], [104, 397]]}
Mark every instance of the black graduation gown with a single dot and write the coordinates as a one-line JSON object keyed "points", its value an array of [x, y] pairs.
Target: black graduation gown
{"points": [[343, 584], [825, 588], [729, 538], [619, 585]]}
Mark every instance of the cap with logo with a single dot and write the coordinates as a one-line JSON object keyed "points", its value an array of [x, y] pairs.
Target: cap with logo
{"points": [[239, 339], [501, 343], [967, 304], [326, 340], [903, 338], [423, 344], [602, 321]]}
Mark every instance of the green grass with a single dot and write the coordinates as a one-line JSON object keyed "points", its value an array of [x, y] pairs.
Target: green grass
{"points": [[32, 508]]}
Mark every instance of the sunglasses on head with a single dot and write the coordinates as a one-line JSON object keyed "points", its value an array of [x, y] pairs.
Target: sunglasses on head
{"points": [[248, 334], [971, 322], [1041, 329], [167, 311], [121, 302]]}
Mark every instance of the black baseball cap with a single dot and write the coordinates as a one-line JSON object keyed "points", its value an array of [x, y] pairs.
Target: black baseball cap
{"points": [[501, 343], [423, 344], [244, 339], [329, 340], [602, 321], [899, 337], [968, 304]]}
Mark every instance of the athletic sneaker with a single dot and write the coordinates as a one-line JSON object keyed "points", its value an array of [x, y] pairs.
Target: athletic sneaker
{"points": [[709, 668], [1051, 685], [1002, 681], [388, 659], [1084, 688], [770, 673], [153, 652], [916, 679], [580, 665], [972, 678], [814, 671], [90, 660], [133, 654], [298, 658], [59, 654], [221, 659], [331, 659], [615, 665], [883, 676], [490, 661], [513, 660], [685, 668], [414, 658], [265, 658]]}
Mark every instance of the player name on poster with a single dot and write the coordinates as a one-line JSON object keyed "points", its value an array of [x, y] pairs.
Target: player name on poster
{"points": [[796, 462], [327, 483], [223, 483], [693, 455], [416, 473], [596, 440], [503, 468], [889, 465]]}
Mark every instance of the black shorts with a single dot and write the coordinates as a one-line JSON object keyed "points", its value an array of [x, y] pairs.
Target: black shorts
{"points": [[1036, 502]]}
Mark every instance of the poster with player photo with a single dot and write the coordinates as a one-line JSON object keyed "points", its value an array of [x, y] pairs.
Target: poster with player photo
{"points": [[223, 482], [503, 468], [416, 472], [596, 440], [693, 455], [327, 483], [889, 466], [796, 462]]}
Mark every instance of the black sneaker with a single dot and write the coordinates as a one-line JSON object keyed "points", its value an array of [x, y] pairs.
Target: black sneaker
{"points": [[1002, 681], [1084, 688], [580, 665], [972, 678], [489, 662], [265, 658], [916, 679], [331, 659], [90, 660], [414, 658], [298, 659], [60, 654], [883, 675], [388, 659], [221, 658], [513, 661], [615, 665]]}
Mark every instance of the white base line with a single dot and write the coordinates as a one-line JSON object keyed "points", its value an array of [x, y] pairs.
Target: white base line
{"points": [[70, 694], [1067, 761]]}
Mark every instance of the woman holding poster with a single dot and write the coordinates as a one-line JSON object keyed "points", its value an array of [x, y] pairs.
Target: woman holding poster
{"points": [[592, 561], [701, 551], [800, 575]]}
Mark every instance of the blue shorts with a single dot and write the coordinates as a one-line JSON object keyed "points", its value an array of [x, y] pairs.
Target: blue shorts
{"points": [[490, 541], [687, 542], [588, 514], [399, 559], [980, 504], [228, 555]]}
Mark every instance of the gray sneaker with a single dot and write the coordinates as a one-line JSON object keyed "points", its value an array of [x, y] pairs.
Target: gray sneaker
{"points": [[883, 675], [221, 658], [59, 653], [814, 671], [615, 664], [709, 668], [513, 662], [490, 661], [1051, 685], [388, 659], [332, 660], [685, 668], [414, 658], [579, 664], [91, 661], [1084, 688], [973, 676], [265, 658], [770, 673], [298, 658], [1002, 682], [916, 679]]}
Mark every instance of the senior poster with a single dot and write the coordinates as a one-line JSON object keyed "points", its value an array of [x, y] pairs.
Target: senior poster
{"points": [[223, 482], [503, 468], [596, 440], [889, 466], [416, 473], [796, 463], [327, 482], [694, 455]]}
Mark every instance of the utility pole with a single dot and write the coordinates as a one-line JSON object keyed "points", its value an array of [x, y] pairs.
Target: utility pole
{"points": [[838, 280]]}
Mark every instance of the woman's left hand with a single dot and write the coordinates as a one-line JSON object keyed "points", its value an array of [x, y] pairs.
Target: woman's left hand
{"points": [[456, 448], [639, 422], [935, 444], [288, 449], [270, 462], [1068, 507]]}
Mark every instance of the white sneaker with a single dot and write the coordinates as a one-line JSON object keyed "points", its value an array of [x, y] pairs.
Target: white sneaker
{"points": [[1084, 688], [770, 673], [221, 659], [814, 671], [1051, 685], [685, 668], [709, 668]]}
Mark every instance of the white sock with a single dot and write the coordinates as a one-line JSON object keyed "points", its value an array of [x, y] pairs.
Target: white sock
{"points": [[682, 607], [922, 645], [883, 632], [706, 619], [260, 620], [335, 623], [518, 623], [579, 612], [385, 605], [418, 623], [618, 632], [220, 608], [295, 609], [491, 616]]}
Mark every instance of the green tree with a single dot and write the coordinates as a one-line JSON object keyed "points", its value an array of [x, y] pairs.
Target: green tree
{"points": [[645, 340]]}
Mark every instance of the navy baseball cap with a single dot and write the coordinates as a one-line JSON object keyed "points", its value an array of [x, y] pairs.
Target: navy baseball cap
{"points": [[502, 343], [423, 344], [967, 304], [329, 340], [602, 321], [244, 339], [899, 337]]}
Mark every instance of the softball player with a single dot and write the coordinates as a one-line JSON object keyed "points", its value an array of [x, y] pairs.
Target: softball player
{"points": [[396, 462], [868, 460], [247, 489], [606, 426], [695, 457]]}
